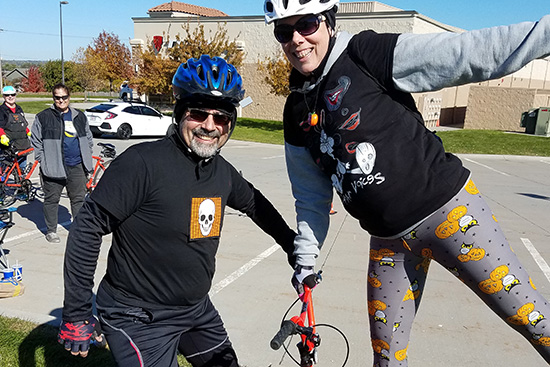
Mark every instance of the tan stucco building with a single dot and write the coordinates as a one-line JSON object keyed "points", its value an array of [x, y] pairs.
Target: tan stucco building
{"points": [[525, 89]]}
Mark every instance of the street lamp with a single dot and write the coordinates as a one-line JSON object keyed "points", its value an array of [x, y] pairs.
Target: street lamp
{"points": [[61, 3]]}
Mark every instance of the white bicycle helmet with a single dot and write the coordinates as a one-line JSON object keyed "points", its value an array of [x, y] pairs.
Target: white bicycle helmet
{"points": [[279, 9]]}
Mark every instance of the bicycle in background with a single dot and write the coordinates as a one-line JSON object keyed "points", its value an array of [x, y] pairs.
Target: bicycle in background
{"points": [[106, 156], [15, 183]]}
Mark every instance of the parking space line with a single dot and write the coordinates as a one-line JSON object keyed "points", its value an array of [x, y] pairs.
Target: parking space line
{"points": [[36, 231], [274, 157], [242, 270], [543, 265], [483, 165]]}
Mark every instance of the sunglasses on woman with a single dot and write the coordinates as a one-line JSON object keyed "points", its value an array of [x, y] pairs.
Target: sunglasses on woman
{"points": [[306, 26], [200, 115]]}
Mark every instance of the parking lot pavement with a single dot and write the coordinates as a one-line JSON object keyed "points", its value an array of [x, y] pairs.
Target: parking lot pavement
{"points": [[252, 288]]}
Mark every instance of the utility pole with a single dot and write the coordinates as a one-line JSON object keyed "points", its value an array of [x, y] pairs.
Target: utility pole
{"points": [[1, 75], [61, 3]]}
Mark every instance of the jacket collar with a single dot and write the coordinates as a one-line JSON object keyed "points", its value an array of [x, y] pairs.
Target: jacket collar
{"points": [[304, 84], [74, 111]]}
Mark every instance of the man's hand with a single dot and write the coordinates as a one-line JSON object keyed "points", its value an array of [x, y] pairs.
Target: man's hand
{"points": [[76, 336], [304, 275]]}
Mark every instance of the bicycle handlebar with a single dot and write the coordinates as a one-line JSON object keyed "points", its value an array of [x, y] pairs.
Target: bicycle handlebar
{"points": [[287, 328]]}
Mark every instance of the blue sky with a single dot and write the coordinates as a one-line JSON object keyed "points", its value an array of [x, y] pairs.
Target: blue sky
{"points": [[31, 27]]}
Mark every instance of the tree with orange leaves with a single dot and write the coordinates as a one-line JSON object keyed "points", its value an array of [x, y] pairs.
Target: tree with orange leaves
{"points": [[276, 70], [109, 59], [156, 69]]}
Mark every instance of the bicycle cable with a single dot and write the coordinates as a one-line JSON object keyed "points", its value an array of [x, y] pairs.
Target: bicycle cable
{"points": [[334, 242]]}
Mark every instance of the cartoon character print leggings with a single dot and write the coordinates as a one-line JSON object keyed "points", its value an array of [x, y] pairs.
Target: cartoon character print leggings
{"points": [[464, 237]]}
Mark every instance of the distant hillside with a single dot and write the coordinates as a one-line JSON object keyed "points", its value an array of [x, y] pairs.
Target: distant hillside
{"points": [[11, 64]]}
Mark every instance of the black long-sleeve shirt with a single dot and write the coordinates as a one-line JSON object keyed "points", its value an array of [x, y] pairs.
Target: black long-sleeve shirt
{"points": [[165, 209]]}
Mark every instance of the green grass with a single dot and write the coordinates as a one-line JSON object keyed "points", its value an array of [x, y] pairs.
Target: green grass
{"points": [[494, 142], [261, 131], [34, 107], [26, 344]]}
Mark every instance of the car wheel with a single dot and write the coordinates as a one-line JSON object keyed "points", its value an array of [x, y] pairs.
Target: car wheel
{"points": [[124, 131]]}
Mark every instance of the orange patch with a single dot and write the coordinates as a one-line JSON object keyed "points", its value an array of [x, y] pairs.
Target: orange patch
{"points": [[206, 217]]}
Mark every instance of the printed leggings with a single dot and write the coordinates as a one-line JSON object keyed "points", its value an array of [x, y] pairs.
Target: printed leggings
{"points": [[464, 237]]}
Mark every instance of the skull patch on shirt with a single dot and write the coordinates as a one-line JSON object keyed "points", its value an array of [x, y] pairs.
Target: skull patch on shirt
{"points": [[205, 217]]}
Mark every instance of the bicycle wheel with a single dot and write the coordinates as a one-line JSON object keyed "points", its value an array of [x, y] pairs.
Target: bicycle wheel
{"points": [[7, 196], [26, 193]]}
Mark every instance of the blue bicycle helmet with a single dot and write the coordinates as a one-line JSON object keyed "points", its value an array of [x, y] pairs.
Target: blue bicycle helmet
{"points": [[210, 78]]}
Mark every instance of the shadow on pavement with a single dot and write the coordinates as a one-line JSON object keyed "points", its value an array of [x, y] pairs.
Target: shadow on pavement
{"points": [[32, 210]]}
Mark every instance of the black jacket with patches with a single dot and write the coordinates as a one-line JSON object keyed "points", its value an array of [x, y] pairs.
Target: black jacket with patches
{"points": [[388, 169], [15, 126], [150, 199]]}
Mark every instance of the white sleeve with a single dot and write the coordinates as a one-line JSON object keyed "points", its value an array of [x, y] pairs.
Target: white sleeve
{"points": [[427, 62], [312, 191]]}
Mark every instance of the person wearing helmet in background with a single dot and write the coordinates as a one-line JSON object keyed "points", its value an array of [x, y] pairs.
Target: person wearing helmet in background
{"points": [[164, 203], [351, 123], [14, 128]]}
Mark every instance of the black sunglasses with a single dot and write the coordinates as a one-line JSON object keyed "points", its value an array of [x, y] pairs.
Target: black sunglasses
{"points": [[306, 26], [9, 95], [200, 115], [58, 98]]}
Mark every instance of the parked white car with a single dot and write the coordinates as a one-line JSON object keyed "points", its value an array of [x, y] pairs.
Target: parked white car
{"points": [[127, 119]]}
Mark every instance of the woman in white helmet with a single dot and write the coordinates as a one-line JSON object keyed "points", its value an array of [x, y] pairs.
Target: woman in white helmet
{"points": [[351, 124]]}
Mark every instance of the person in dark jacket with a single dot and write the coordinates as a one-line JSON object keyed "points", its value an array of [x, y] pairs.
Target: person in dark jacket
{"points": [[63, 145], [164, 202], [14, 128], [351, 124]]}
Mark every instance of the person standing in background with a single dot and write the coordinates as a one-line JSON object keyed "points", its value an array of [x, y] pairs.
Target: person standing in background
{"points": [[14, 128], [63, 145]]}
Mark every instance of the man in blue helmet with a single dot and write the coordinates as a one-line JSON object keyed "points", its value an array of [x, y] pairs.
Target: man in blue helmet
{"points": [[163, 201]]}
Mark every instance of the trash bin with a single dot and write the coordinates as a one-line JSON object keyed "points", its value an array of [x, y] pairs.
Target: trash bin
{"points": [[529, 120], [543, 122]]}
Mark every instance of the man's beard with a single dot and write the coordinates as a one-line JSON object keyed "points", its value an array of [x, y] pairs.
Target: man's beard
{"points": [[201, 149]]}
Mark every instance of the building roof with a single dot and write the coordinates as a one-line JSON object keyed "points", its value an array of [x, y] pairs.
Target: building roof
{"points": [[365, 7], [177, 7], [15, 73]]}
